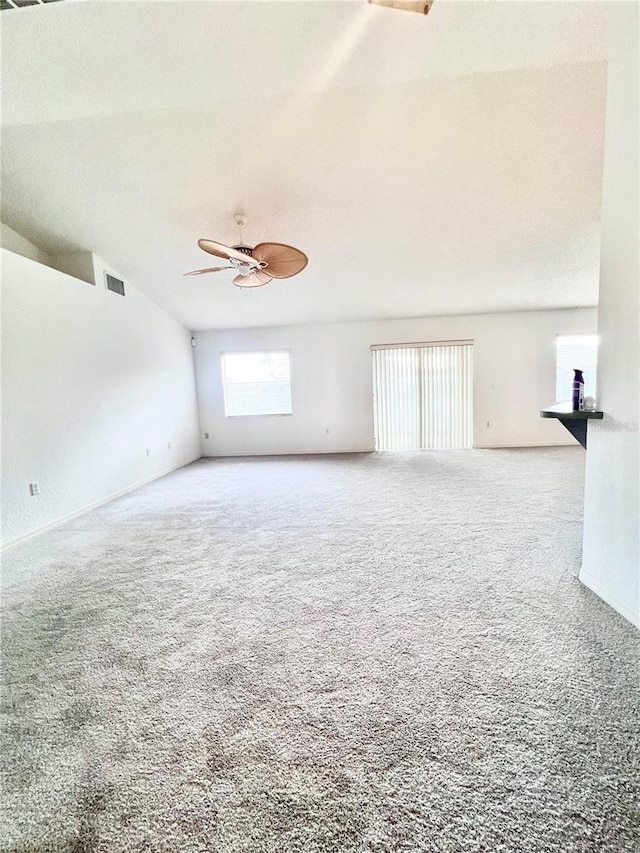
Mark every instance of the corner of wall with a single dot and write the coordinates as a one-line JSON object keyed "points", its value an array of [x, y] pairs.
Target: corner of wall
{"points": [[76, 264], [19, 245]]}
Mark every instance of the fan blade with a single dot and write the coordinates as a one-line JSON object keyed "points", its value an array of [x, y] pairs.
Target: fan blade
{"points": [[209, 269], [422, 6], [282, 261], [254, 279], [222, 251]]}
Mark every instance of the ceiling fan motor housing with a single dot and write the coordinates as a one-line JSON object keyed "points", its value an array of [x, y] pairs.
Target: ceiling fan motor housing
{"points": [[246, 250]]}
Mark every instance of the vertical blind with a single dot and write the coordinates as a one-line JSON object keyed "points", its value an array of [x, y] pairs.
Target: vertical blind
{"points": [[423, 396]]}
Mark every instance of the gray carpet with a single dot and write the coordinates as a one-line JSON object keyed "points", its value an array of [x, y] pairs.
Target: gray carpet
{"points": [[357, 653]]}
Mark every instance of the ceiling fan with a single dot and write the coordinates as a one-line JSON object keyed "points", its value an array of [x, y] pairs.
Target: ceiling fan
{"points": [[421, 6], [255, 265]]}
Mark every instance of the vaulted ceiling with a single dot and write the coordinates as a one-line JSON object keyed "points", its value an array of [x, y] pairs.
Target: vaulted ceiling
{"points": [[442, 164]]}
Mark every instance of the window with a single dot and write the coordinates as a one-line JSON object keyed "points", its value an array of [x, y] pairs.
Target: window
{"points": [[256, 383], [423, 396], [575, 352]]}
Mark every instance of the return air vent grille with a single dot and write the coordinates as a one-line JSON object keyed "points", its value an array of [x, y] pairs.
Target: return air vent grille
{"points": [[20, 4], [114, 284]]}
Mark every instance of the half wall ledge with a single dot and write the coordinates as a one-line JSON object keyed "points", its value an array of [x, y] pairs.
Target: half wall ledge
{"points": [[575, 422]]}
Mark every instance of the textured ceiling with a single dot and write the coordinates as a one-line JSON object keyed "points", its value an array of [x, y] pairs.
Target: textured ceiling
{"points": [[445, 164]]}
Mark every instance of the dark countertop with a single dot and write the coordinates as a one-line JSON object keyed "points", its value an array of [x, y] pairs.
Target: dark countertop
{"points": [[566, 412]]}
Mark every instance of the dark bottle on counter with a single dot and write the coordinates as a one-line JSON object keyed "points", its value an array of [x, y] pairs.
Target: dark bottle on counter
{"points": [[577, 397]]}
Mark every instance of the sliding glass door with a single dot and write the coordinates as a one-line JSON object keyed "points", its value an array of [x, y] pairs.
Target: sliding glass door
{"points": [[423, 396]]}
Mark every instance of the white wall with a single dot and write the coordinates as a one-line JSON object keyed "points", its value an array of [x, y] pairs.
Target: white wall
{"points": [[514, 377], [611, 552], [14, 242], [77, 264], [89, 380]]}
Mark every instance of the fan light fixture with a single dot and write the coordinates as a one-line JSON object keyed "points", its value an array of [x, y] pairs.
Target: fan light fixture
{"points": [[421, 6]]}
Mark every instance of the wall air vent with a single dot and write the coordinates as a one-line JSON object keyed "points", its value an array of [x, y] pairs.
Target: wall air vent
{"points": [[20, 4], [113, 283]]}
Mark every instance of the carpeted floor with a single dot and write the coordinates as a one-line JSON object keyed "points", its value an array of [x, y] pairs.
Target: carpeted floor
{"points": [[322, 654]]}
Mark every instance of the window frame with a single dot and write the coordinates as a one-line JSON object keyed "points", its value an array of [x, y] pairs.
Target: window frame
{"points": [[255, 352]]}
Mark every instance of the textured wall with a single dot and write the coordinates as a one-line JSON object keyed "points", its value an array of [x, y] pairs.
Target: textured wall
{"points": [[514, 377], [89, 381], [611, 562]]}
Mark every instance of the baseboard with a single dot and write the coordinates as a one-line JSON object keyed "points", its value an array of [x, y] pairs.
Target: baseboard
{"points": [[610, 598], [12, 543], [231, 453], [228, 453], [525, 444]]}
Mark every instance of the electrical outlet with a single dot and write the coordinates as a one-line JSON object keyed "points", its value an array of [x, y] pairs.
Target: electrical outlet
{"points": [[148, 451], [168, 445], [487, 424], [34, 488], [327, 431], [206, 435]]}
